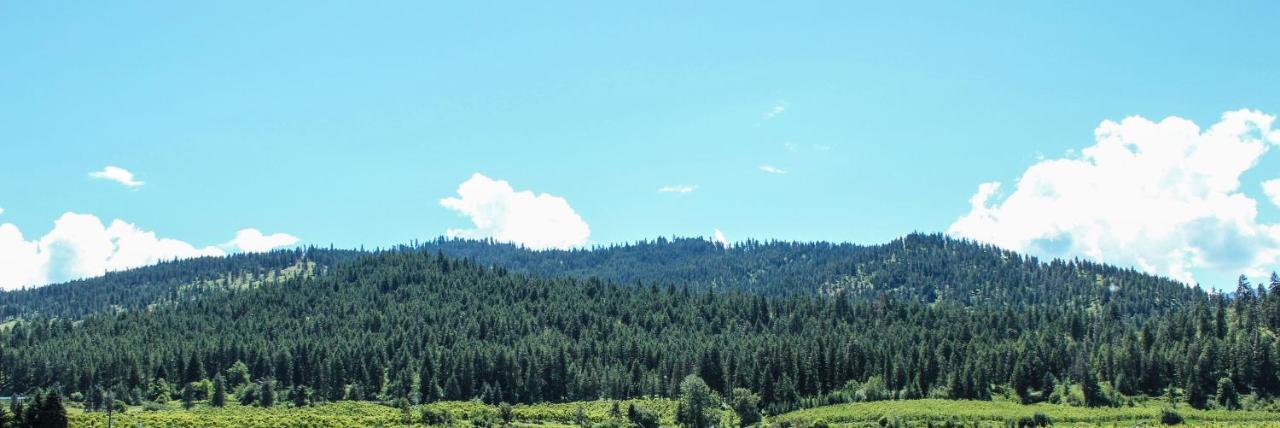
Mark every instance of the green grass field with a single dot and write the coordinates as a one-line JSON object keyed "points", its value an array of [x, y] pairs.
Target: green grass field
{"points": [[997, 413], [359, 414], [910, 413]]}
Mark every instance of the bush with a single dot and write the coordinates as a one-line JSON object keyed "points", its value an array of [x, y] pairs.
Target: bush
{"points": [[151, 406], [1042, 420], [642, 417], [746, 405], [505, 412], [580, 417], [436, 417], [1170, 417], [1033, 421]]}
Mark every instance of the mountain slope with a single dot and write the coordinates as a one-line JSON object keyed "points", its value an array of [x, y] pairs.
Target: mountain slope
{"points": [[923, 268], [409, 324]]}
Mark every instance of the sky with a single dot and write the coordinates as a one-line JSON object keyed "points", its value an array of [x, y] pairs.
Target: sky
{"points": [[1135, 133]]}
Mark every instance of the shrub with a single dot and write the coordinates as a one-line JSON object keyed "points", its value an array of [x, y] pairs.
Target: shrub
{"points": [[436, 417], [505, 412], [642, 417], [1170, 417]]}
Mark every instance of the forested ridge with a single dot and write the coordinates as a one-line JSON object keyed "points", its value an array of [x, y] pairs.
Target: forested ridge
{"points": [[418, 325], [924, 268]]}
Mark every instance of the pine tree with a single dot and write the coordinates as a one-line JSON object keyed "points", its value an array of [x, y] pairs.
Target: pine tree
{"points": [[1227, 396], [219, 398], [189, 395], [267, 393], [52, 413]]}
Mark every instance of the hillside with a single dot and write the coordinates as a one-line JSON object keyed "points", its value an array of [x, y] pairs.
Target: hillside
{"points": [[420, 326], [922, 268]]}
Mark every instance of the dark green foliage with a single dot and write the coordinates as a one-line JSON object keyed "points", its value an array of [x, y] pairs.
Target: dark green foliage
{"points": [[189, 395], [793, 322], [697, 405], [219, 398], [505, 412], [746, 405], [436, 416], [1170, 417], [642, 417], [165, 282], [49, 412], [267, 393], [1227, 396], [580, 417], [248, 395]]}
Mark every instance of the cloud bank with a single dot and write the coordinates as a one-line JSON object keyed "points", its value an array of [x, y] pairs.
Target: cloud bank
{"points": [[538, 221], [1160, 196], [118, 175], [253, 241], [81, 246]]}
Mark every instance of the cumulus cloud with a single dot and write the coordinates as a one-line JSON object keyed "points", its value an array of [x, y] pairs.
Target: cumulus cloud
{"points": [[772, 169], [1270, 187], [117, 174], [1161, 196], [81, 246], [497, 211], [720, 239], [679, 188], [253, 241], [777, 110]]}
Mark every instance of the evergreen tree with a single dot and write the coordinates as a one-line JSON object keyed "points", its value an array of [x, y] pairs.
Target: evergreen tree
{"points": [[52, 413], [189, 395], [219, 398], [746, 405], [696, 408], [1227, 396], [267, 393]]}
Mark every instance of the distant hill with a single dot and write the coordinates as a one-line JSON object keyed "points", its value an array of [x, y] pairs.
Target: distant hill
{"points": [[799, 324], [924, 268]]}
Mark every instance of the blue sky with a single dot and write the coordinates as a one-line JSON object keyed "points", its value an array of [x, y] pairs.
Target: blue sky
{"points": [[348, 123]]}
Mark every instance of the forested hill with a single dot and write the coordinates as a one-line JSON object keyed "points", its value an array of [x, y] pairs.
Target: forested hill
{"points": [[923, 268], [422, 327], [166, 282]]}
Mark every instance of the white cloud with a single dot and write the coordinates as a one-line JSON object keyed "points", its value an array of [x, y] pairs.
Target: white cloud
{"points": [[253, 241], [777, 110], [720, 239], [821, 147], [679, 188], [117, 174], [772, 169], [1270, 187], [791, 147], [80, 246], [1161, 196], [538, 221]]}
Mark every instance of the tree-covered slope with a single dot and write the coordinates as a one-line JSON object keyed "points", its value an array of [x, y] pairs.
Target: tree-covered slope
{"points": [[165, 282], [923, 268], [409, 324]]}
